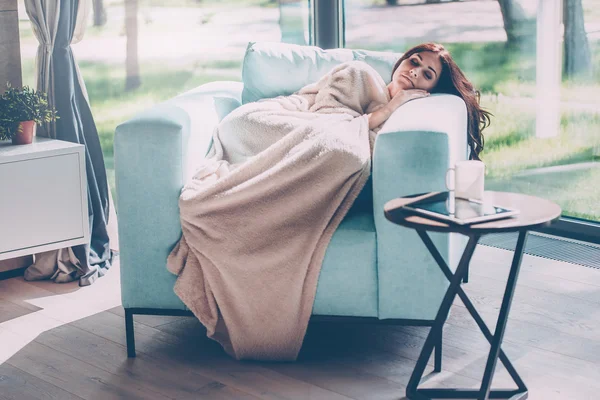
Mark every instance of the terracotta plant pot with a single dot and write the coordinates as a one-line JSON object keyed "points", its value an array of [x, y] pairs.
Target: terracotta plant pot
{"points": [[24, 133]]}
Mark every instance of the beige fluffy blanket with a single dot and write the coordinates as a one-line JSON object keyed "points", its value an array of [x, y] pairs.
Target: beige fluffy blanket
{"points": [[259, 213]]}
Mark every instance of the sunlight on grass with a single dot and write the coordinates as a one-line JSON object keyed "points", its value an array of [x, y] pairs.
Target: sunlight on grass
{"points": [[490, 65], [112, 105], [535, 153], [511, 145], [572, 190], [509, 124]]}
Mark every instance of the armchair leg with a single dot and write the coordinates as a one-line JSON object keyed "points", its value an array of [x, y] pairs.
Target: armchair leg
{"points": [[437, 363], [466, 277], [129, 333]]}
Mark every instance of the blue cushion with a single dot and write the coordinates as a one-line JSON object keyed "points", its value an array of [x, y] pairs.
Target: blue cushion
{"points": [[225, 105], [381, 61], [348, 281], [273, 69]]}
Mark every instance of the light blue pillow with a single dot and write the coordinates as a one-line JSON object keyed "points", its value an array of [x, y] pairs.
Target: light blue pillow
{"points": [[272, 69], [225, 105], [381, 61]]}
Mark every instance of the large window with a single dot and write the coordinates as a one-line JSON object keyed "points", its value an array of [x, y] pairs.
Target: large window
{"points": [[543, 89], [535, 62], [136, 53]]}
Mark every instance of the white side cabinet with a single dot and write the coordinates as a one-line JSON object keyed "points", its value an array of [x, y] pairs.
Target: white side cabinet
{"points": [[43, 197]]}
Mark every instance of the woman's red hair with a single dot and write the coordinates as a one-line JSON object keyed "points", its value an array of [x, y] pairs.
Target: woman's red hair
{"points": [[453, 81]]}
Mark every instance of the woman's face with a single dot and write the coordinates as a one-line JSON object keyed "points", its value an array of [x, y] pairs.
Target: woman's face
{"points": [[419, 71]]}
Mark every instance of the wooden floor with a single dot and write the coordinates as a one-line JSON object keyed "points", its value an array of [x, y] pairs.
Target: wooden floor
{"points": [[65, 342]]}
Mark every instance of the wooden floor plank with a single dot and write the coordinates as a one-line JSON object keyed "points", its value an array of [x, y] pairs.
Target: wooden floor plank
{"points": [[16, 384], [357, 349], [161, 377], [206, 358], [367, 358], [65, 350], [458, 360], [537, 336], [466, 353], [341, 379], [543, 267], [550, 363], [149, 320], [560, 371], [539, 308], [77, 377], [10, 310], [19, 289], [550, 284]]}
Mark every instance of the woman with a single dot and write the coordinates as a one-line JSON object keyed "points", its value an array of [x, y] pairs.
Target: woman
{"points": [[429, 68], [258, 215]]}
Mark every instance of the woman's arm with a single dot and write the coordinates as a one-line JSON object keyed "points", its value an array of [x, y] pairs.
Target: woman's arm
{"points": [[378, 117]]}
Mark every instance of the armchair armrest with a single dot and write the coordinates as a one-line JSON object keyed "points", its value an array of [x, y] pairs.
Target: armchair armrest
{"points": [[412, 152], [155, 152]]}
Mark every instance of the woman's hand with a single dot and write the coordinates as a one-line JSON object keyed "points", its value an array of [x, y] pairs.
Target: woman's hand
{"points": [[405, 96], [378, 117]]}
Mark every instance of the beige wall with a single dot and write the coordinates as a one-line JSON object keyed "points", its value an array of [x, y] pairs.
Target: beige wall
{"points": [[10, 55]]}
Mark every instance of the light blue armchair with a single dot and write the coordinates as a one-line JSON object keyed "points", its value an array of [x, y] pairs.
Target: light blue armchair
{"points": [[373, 270]]}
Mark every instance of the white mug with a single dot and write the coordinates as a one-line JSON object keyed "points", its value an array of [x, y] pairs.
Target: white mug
{"points": [[468, 179]]}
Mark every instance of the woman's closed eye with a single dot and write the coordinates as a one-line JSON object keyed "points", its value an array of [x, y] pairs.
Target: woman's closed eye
{"points": [[415, 62]]}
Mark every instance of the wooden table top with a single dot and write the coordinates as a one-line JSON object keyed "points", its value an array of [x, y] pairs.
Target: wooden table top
{"points": [[534, 212]]}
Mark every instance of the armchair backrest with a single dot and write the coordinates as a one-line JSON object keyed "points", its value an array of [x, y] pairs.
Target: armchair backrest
{"points": [[273, 69]]}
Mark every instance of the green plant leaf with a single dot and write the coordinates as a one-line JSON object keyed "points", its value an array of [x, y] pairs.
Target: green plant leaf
{"points": [[25, 104]]}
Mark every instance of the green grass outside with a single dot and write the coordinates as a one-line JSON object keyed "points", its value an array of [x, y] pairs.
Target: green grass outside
{"points": [[511, 145], [111, 105], [576, 191]]}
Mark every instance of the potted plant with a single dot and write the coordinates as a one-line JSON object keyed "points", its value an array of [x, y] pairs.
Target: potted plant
{"points": [[20, 110]]}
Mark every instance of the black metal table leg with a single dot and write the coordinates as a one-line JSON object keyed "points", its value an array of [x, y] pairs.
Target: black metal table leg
{"points": [[413, 392], [503, 316], [442, 314], [471, 308], [129, 334], [437, 365]]}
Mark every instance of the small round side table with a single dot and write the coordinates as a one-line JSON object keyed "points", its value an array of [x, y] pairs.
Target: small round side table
{"points": [[534, 213]]}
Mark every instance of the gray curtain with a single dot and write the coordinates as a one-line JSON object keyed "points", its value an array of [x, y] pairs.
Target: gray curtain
{"points": [[59, 76], [44, 16]]}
